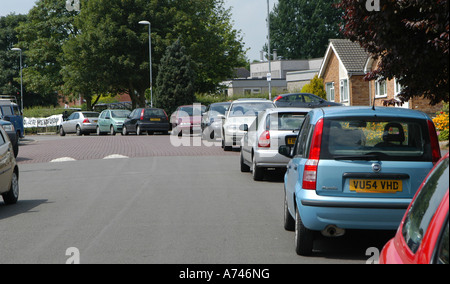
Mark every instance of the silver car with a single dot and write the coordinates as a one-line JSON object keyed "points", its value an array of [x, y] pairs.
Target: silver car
{"points": [[273, 128], [9, 172], [242, 111], [211, 123], [80, 122]]}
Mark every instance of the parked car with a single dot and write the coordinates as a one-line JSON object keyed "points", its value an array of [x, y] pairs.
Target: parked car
{"points": [[241, 111], [302, 100], [187, 119], [9, 172], [111, 121], [10, 111], [422, 237], [13, 137], [274, 128], [211, 122], [355, 168], [148, 120], [80, 122]]}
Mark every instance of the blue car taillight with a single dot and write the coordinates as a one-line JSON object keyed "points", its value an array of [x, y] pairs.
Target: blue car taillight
{"points": [[310, 170]]}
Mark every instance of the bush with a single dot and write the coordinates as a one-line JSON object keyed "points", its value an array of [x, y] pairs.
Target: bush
{"points": [[443, 135], [39, 111], [315, 87], [442, 123], [207, 99]]}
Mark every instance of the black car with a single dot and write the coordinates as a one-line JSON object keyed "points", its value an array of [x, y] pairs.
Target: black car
{"points": [[302, 100], [148, 120]]}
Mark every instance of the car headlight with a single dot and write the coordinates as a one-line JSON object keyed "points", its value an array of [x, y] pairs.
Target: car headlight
{"points": [[232, 128], [8, 127]]}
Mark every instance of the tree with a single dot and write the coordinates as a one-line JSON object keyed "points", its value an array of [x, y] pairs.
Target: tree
{"points": [[215, 46], [176, 79], [315, 87], [410, 37], [300, 29], [9, 60], [108, 54], [41, 37], [111, 52]]}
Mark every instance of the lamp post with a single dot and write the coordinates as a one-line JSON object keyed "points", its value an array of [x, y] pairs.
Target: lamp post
{"points": [[21, 78], [150, 55], [269, 75]]}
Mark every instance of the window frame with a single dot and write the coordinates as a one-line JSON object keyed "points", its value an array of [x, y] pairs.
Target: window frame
{"points": [[330, 91], [344, 90], [378, 84]]}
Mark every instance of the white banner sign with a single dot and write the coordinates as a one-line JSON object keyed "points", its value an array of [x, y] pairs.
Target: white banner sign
{"points": [[54, 120]]}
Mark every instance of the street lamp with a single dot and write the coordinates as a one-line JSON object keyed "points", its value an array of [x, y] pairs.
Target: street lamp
{"points": [[150, 55], [269, 75], [21, 78]]}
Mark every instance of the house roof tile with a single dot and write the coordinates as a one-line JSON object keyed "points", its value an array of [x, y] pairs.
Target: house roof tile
{"points": [[352, 55]]}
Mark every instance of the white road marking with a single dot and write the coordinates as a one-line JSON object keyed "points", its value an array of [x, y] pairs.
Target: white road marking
{"points": [[63, 159], [115, 156]]}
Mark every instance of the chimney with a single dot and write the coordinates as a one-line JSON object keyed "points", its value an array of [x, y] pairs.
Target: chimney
{"points": [[275, 55]]}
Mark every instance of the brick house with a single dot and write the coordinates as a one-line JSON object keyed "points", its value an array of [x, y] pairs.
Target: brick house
{"points": [[387, 90], [343, 70], [343, 74]]}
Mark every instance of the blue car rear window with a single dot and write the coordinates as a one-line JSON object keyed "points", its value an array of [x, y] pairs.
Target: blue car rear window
{"points": [[387, 138]]}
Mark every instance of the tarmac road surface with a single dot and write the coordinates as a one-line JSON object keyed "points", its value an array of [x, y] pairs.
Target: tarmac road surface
{"points": [[151, 202]]}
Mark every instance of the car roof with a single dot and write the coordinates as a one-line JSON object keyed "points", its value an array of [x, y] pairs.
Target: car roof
{"points": [[288, 109], [291, 94], [354, 111], [251, 100], [222, 103], [192, 105], [115, 109]]}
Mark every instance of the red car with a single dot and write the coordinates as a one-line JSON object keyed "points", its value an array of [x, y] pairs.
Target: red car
{"points": [[187, 119], [422, 237]]}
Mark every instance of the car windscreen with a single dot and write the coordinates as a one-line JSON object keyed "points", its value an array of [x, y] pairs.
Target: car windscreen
{"points": [[216, 110], [425, 205], [120, 113], [191, 110], [90, 114], [376, 138], [154, 113], [249, 109], [285, 121]]}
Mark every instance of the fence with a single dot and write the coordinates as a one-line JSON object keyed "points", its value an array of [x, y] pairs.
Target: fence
{"points": [[35, 125]]}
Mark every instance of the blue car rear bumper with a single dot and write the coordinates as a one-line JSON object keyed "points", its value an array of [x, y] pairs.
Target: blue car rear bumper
{"points": [[317, 212]]}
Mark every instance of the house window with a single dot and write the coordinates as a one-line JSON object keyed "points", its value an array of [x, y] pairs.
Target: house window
{"points": [[252, 91], [344, 90], [398, 87], [380, 88], [330, 91]]}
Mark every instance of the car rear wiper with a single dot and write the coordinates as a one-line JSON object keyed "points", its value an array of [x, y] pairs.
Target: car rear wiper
{"points": [[369, 157]]}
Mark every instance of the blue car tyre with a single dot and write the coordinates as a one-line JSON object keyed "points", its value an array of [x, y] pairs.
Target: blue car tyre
{"points": [[289, 222], [304, 238]]}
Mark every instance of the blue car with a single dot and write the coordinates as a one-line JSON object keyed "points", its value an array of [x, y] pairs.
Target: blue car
{"points": [[355, 168]]}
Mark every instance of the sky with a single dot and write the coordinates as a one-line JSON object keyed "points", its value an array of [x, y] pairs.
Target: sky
{"points": [[249, 16]]}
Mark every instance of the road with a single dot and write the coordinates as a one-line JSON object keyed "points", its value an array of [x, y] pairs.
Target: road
{"points": [[150, 202]]}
